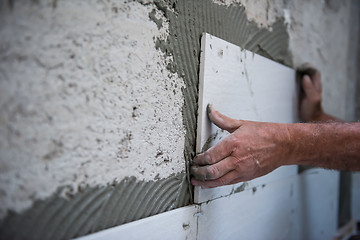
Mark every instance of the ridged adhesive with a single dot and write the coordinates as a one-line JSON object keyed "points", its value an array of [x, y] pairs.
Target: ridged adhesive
{"points": [[99, 208], [188, 20], [96, 208]]}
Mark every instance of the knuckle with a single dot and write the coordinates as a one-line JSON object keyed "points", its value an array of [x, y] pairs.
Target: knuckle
{"points": [[212, 172], [240, 122], [237, 143], [208, 158], [233, 125], [232, 139], [234, 163], [239, 162]]}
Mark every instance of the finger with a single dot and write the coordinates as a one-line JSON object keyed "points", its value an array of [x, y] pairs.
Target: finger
{"points": [[222, 121], [215, 171], [313, 73], [224, 180], [316, 79], [308, 85], [215, 153]]}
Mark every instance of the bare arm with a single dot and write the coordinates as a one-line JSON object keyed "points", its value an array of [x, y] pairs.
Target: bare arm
{"points": [[329, 145], [254, 149]]}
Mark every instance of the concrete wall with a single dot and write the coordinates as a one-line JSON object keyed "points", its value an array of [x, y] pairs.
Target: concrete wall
{"points": [[98, 99], [85, 99]]}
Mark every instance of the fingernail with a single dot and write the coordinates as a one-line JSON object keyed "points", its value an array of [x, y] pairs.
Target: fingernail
{"points": [[194, 160], [193, 170], [209, 108]]}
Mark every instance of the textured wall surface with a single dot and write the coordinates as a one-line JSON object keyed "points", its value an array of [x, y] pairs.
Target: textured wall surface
{"points": [[85, 99], [98, 99], [324, 33]]}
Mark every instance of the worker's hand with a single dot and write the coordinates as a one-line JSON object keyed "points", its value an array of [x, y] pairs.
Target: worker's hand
{"points": [[310, 97], [253, 149]]}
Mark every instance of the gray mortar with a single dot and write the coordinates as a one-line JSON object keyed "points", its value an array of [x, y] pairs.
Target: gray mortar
{"points": [[241, 187], [98, 208], [208, 142], [188, 20]]}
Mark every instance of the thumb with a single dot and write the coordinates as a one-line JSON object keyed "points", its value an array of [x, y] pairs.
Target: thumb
{"points": [[222, 121], [307, 85]]}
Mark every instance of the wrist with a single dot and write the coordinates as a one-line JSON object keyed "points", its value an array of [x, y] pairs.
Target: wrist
{"points": [[304, 138], [288, 144]]}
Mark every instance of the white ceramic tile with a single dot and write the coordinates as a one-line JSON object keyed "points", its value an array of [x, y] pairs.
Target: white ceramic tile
{"points": [[242, 85], [300, 207], [179, 224]]}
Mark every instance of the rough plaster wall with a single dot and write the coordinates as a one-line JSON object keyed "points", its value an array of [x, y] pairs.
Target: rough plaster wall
{"points": [[323, 33], [326, 39], [85, 97], [63, 206]]}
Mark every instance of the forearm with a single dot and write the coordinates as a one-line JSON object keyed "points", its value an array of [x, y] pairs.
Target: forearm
{"points": [[327, 145]]}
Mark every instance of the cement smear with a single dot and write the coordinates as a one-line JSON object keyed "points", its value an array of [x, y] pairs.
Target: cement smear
{"points": [[96, 208]]}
